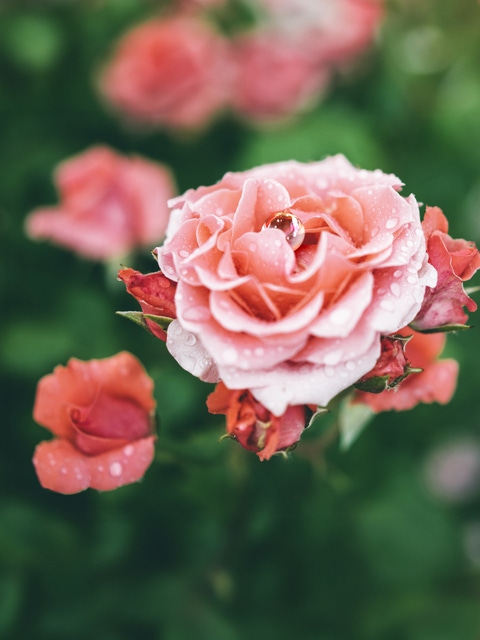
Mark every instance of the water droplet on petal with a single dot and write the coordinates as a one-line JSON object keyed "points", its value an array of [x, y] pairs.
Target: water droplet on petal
{"points": [[189, 339], [391, 223], [129, 450], [116, 469], [290, 225], [395, 289]]}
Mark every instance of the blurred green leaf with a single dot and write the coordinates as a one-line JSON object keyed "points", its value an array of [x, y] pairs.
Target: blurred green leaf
{"points": [[33, 40]]}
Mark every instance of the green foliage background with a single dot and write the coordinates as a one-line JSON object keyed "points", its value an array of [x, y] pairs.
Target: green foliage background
{"points": [[214, 544]]}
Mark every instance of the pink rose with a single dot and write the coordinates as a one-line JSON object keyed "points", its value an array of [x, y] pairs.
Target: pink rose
{"points": [[333, 30], [101, 413], [436, 383], [289, 274], [275, 77], [172, 72], [154, 293], [455, 261], [256, 428], [109, 205]]}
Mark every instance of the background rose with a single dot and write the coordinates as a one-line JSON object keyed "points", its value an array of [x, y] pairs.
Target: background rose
{"points": [[332, 30], [101, 414], [436, 383], [275, 77], [109, 205], [173, 72], [294, 327]]}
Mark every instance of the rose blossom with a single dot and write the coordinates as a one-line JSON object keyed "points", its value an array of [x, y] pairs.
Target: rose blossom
{"points": [[173, 72], [109, 205], [101, 414], [435, 383], [256, 428], [289, 274], [332, 30], [274, 77], [155, 294], [455, 261]]}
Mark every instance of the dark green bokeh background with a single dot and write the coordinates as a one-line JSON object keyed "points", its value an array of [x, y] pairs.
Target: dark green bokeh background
{"points": [[214, 544]]}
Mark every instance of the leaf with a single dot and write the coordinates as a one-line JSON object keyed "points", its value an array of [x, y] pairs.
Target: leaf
{"points": [[140, 318], [445, 328], [352, 420]]}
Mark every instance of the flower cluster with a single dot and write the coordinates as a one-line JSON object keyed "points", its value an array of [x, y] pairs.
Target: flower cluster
{"points": [[179, 70], [291, 284]]}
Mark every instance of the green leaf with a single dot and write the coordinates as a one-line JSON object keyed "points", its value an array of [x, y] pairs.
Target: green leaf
{"points": [[352, 420], [445, 328], [140, 318]]}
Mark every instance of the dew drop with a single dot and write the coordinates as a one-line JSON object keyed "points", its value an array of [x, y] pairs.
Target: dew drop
{"points": [[189, 339], [351, 366], [259, 351], [397, 273], [64, 471], [391, 223], [395, 289], [412, 280], [129, 450], [418, 231], [183, 253], [290, 225], [116, 469]]}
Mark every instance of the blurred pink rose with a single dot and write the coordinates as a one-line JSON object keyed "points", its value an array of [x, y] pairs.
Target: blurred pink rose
{"points": [[274, 77], [332, 30], [255, 428], [289, 274], [101, 414], [436, 383], [172, 72], [109, 205], [455, 261]]}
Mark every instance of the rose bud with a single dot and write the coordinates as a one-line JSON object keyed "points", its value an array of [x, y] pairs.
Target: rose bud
{"points": [[155, 294], [435, 382], [101, 413], [256, 428], [391, 367]]}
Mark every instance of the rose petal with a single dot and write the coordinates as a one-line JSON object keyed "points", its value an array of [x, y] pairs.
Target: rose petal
{"points": [[60, 467], [123, 466]]}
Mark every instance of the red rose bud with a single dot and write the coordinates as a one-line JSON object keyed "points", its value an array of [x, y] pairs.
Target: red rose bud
{"points": [[155, 293], [391, 368], [256, 428], [455, 261], [435, 381]]}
